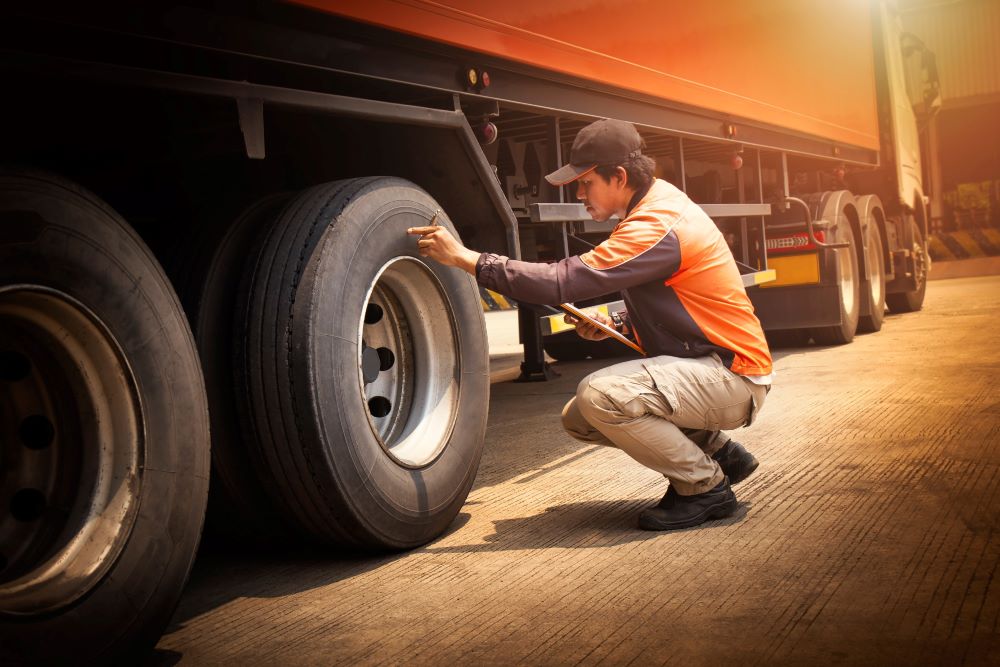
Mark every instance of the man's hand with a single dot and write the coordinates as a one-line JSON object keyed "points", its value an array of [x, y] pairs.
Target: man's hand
{"points": [[437, 243], [589, 331]]}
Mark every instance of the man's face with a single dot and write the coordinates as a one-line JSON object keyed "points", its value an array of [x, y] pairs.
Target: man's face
{"points": [[603, 199]]}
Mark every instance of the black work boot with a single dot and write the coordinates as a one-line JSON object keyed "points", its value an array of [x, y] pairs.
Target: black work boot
{"points": [[736, 462], [676, 511]]}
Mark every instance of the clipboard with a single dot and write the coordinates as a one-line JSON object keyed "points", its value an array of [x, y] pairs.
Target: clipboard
{"points": [[580, 315]]}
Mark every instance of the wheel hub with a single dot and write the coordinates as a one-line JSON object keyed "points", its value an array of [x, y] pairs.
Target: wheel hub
{"points": [[920, 261], [409, 362], [70, 446]]}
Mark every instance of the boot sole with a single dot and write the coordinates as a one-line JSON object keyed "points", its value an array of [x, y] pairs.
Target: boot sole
{"points": [[721, 511]]}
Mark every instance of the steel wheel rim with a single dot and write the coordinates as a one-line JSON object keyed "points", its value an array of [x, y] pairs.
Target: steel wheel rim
{"points": [[73, 449], [408, 362], [847, 282], [878, 270]]}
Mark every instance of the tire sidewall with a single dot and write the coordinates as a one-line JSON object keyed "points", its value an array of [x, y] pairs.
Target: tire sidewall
{"points": [[239, 506], [406, 506]]}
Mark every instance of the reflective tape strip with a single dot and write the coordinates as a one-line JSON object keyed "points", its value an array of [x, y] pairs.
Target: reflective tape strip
{"points": [[759, 277], [493, 301], [785, 242]]}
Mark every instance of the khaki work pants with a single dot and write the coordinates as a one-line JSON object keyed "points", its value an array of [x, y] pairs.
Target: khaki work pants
{"points": [[667, 413]]}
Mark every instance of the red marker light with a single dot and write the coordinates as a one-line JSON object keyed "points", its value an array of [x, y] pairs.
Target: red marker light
{"points": [[485, 78], [487, 133]]}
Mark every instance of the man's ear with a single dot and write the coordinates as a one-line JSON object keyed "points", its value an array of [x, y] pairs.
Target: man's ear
{"points": [[622, 175]]}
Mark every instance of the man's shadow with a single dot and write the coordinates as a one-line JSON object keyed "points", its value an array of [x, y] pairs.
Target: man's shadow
{"points": [[583, 525]]}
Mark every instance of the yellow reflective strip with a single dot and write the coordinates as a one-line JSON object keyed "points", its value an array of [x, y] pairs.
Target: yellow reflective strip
{"points": [[501, 301], [493, 301], [761, 277], [793, 270], [557, 324]]}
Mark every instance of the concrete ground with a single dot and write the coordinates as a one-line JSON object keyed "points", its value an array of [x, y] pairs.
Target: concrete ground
{"points": [[867, 537]]}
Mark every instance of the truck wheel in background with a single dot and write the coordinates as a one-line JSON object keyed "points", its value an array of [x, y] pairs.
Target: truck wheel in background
{"points": [[103, 430], [365, 367], [238, 506], [874, 294], [913, 300], [567, 346], [785, 338], [849, 292]]}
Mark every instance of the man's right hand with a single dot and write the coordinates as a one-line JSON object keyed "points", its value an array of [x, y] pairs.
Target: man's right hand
{"points": [[438, 243], [585, 329]]}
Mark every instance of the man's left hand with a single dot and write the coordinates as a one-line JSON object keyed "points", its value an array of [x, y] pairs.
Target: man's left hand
{"points": [[585, 329]]}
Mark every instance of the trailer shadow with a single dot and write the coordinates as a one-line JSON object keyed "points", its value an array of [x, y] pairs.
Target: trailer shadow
{"points": [[228, 571], [224, 574]]}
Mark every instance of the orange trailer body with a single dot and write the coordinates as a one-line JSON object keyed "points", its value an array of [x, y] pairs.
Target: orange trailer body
{"points": [[781, 62]]}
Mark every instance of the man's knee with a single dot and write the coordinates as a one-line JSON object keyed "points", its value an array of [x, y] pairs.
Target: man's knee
{"points": [[587, 398], [573, 421], [609, 398]]}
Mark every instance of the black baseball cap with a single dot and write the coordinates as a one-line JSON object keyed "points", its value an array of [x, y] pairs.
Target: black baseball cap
{"points": [[604, 141]]}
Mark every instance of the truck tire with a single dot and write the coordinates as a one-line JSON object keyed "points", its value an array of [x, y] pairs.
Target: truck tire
{"points": [[849, 292], [913, 300], [366, 368], [785, 338], [238, 506], [873, 310], [103, 430]]}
